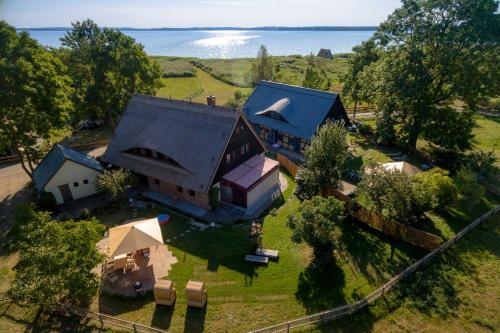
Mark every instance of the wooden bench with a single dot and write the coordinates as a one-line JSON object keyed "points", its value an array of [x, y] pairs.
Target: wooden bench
{"points": [[271, 254], [257, 259]]}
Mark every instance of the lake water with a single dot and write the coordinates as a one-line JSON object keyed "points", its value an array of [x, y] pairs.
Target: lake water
{"points": [[231, 43]]}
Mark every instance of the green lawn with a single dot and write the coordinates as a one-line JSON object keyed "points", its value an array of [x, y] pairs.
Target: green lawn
{"points": [[473, 301], [288, 69], [198, 88], [243, 296]]}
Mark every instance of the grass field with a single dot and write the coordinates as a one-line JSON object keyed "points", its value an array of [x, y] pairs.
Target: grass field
{"points": [[288, 69], [198, 88]]}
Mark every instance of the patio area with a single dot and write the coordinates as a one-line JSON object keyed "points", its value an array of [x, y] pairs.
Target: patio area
{"points": [[147, 269]]}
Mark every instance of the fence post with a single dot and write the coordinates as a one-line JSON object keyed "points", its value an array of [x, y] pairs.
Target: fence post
{"points": [[135, 328], [288, 327]]}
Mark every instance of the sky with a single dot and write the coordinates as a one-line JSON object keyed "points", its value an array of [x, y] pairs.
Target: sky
{"points": [[196, 13]]}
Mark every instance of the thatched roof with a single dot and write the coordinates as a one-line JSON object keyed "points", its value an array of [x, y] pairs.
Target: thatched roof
{"points": [[193, 135]]}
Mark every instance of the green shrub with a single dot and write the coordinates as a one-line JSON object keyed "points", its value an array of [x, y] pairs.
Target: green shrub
{"points": [[47, 202], [481, 162], [468, 187], [439, 187], [115, 182], [214, 197], [365, 129]]}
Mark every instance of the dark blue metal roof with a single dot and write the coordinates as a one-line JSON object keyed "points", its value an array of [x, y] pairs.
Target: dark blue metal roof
{"points": [[295, 110], [56, 157]]}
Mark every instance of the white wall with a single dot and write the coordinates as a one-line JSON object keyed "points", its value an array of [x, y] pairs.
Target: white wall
{"points": [[266, 188], [70, 173]]}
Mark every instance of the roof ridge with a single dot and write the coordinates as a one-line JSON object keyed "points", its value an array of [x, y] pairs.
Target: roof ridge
{"points": [[194, 107], [305, 90]]}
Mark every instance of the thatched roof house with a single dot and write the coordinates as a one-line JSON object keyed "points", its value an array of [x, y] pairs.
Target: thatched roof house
{"points": [[182, 148]]}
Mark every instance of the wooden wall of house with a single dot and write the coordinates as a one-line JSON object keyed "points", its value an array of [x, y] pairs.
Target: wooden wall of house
{"points": [[240, 137], [338, 112]]}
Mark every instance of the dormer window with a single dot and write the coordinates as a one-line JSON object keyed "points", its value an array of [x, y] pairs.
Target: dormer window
{"points": [[279, 110], [154, 155]]}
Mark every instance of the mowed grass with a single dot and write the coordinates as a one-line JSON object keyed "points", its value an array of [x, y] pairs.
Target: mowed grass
{"points": [[198, 87], [244, 296], [475, 306]]}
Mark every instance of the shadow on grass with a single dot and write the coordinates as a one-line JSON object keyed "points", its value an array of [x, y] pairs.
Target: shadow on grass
{"points": [[320, 285], [195, 320], [114, 305], [224, 246], [374, 254], [162, 317]]}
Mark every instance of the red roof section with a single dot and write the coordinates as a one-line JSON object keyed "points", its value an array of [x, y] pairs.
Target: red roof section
{"points": [[250, 171]]}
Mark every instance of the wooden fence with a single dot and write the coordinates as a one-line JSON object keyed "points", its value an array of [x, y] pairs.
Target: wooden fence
{"points": [[113, 321], [82, 146], [287, 164], [348, 309], [389, 227]]}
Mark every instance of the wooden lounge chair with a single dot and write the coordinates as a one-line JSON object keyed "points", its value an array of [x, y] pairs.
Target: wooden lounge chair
{"points": [[196, 294], [271, 254], [164, 292], [257, 259]]}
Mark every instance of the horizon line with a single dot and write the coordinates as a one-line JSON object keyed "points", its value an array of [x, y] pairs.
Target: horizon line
{"points": [[312, 28]]}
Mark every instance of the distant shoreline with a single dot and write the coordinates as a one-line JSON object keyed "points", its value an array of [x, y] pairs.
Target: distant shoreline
{"points": [[319, 28]]}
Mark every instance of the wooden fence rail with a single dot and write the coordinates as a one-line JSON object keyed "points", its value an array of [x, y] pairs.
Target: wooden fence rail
{"points": [[109, 320], [348, 309]]}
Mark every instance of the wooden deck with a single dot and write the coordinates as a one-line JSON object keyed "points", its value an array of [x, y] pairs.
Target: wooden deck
{"points": [[120, 282]]}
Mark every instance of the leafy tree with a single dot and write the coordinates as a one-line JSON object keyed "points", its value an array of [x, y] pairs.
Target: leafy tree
{"points": [[107, 67], [262, 68], [354, 90], [481, 162], [316, 79], [325, 159], [318, 223], [392, 194], [433, 53], [438, 186], [115, 182], [34, 94], [56, 262]]}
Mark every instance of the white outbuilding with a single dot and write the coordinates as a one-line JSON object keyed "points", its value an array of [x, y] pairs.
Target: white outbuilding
{"points": [[67, 174]]}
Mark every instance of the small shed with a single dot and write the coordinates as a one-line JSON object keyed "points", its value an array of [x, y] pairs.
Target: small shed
{"points": [[251, 183], [196, 294], [164, 292], [325, 53], [67, 174]]}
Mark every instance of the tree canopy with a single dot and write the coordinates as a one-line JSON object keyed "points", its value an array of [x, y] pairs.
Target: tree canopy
{"points": [[262, 68], [364, 55], [324, 160], [107, 67], [318, 224], [115, 182], [34, 94], [56, 261], [433, 54]]}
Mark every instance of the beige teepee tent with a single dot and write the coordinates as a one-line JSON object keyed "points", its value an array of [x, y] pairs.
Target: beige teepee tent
{"points": [[134, 236]]}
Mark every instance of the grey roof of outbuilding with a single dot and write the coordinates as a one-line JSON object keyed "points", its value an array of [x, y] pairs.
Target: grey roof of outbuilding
{"points": [[194, 135], [53, 161], [303, 109]]}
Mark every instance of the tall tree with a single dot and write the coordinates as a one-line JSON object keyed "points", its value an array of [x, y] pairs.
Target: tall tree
{"points": [[262, 68], [354, 90], [34, 94], [107, 67], [316, 79], [437, 52], [318, 224], [325, 160], [56, 261]]}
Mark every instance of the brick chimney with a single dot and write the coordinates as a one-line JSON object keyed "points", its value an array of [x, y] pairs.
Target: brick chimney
{"points": [[211, 100]]}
